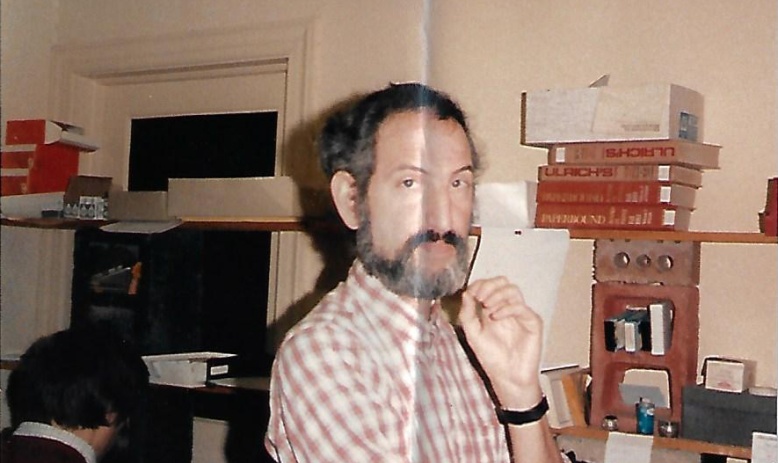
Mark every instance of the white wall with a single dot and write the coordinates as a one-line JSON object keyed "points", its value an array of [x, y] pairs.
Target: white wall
{"points": [[487, 53]]}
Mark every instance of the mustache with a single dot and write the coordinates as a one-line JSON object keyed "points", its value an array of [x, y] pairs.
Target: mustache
{"points": [[432, 236]]}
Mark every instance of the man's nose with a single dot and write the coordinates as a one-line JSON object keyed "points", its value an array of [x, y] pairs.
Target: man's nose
{"points": [[437, 209]]}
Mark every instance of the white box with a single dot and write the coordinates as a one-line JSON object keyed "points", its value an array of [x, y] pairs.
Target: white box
{"points": [[260, 197], [30, 206], [729, 375], [191, 369], [645, 112], [138, 205]]}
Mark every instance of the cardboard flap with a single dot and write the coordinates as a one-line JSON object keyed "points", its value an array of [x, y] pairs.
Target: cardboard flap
{"points": [[85, 185]]}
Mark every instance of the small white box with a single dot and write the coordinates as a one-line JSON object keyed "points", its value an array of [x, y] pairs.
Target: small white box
{"points": [[191, 369], [729, 375], [644, 112]]}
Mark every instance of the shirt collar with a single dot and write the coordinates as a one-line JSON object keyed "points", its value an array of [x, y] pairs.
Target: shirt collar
{"points": [[31, 429]]}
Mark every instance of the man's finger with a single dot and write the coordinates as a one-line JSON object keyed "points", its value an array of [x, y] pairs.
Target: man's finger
{"points": [[467, 311]]}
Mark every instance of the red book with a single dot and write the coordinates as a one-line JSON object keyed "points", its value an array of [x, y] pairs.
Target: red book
{"points": [[612, 217], [620, 173], [616, 193], [45, 132], [674, 152]]}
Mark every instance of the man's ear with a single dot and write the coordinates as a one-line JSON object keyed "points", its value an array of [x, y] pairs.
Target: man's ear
{"points": [[343, 187]]}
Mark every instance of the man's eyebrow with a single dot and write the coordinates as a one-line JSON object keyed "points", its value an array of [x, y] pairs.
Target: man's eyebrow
{"points": [[466, 168]]}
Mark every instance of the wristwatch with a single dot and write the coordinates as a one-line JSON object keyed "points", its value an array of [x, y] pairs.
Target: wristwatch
{"points": [[516, 417]]}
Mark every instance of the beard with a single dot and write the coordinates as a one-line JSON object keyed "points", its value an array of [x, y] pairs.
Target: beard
{"points": [[406, 276]]}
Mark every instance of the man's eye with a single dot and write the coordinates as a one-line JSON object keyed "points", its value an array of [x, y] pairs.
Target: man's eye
{"points": [[459, 183], [408, 182]]}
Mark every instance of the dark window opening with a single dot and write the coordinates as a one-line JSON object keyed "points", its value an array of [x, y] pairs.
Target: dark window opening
{"points": [[201, 146]]}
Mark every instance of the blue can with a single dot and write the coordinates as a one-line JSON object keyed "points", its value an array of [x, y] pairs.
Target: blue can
{"points": [[644, 411]]}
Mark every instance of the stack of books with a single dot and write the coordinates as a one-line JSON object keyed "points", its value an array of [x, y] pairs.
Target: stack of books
{"points": [[630, 184], [637, 329]]}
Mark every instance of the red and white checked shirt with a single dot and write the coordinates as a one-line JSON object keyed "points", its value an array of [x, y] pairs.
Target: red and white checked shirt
{"points": [[364, 379]]}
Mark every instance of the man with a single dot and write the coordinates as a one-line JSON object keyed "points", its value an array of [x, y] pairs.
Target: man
{"points": [[70, 395], [374, 373]]}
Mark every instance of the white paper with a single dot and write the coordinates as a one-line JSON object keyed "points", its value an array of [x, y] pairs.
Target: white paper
{"points": [[764, 448], [141, 227], [632, 393], [510, 205], [533, 259], [633, 448]]}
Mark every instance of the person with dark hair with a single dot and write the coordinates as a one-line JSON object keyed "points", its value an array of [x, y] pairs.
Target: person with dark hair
{"points": [[376, 373], [70, 395]]}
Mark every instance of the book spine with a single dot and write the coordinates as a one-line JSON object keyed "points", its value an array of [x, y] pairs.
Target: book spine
{"points": [[624, 217], [697, 155], [620, 173], [616, 193], [661, 316]]}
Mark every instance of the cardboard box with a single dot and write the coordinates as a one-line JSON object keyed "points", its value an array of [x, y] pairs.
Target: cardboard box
{"points": [[728, 375], [264, 197], [190, 369], [645, 112], [28, 169], [30, 206], [85, 197], [724, 417], [138, 205], [45, 132]]}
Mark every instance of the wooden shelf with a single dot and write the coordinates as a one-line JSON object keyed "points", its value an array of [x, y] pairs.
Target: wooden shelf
{"points": [[699, 236], [297, 224], [687, 445], [229, 223], [8, 364]]}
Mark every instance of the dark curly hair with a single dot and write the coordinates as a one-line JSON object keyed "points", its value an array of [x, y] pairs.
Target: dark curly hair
{"points": [[75, 377], [347, 141]]}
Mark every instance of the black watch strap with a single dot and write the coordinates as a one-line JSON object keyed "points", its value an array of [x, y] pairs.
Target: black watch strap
{"points": [[525, 416]]}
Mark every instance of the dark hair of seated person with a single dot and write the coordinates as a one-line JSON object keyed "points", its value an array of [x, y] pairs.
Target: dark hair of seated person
{"points": [[74, 378]]}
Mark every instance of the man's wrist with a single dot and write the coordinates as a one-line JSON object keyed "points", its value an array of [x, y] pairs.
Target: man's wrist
{"points": [[523, 417], [515, 397]]}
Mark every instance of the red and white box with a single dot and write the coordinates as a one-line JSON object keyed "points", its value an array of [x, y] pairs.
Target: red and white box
{"points": [[38, 168], [46, 132]]}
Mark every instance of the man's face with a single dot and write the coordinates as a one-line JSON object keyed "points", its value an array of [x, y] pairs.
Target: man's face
{"points": [[416, 216]]}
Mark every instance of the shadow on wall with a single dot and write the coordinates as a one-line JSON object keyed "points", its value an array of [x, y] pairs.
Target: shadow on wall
{"points": [[334, 243]]}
